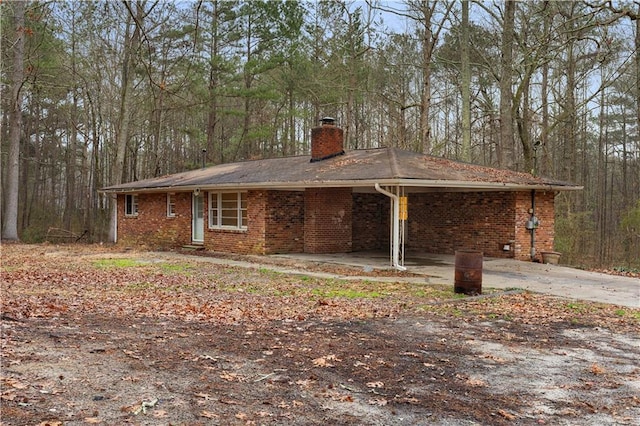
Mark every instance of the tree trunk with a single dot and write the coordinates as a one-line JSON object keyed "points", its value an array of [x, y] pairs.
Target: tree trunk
{"points": [[245, 145], [506, 146], [10, 214], [601, 184], [425, 98], [35, 187], [569, 148], [122, 136], [72, 142], [426, 11], [212, 115], [523, 121], [466, 84], [543, 160], [637, 46]]}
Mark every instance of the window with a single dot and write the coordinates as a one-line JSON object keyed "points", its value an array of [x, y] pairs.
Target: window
{"points": [[228, 210], [171, 205], [131, 205]]}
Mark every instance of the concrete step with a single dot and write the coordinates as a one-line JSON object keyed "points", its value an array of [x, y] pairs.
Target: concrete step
{"points": [[192, 247]]}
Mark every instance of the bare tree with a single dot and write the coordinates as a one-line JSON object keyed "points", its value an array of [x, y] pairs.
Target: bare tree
{"points": [[132, 42], [430, 30], [466, 83], [430, 20], [506, 146], [10, 214]]}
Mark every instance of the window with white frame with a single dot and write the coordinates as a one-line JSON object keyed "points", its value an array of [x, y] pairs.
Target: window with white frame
{"points": [[171, 205], [131, 205], [228, 210]]}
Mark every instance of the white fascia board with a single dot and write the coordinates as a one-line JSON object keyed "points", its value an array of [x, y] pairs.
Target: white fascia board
{"points": [[299, 186], [489, 186]]}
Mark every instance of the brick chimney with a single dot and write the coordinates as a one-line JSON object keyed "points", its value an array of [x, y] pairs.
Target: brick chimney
{"points": [[326, 140]]}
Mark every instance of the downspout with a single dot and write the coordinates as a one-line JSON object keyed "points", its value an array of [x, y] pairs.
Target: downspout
{"points": [[533, 228], [115, 222], [396, 227]]}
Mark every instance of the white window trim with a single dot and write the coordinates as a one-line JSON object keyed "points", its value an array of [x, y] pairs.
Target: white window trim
{"points": [[218, 225], [171, 201], [134, 200]]}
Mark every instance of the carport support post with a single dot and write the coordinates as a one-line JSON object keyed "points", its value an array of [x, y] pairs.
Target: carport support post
{"points": [[114, 199], [532, 252], [395, 219]]}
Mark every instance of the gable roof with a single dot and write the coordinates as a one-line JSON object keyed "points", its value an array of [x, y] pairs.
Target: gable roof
{"points": [[358, 169]]}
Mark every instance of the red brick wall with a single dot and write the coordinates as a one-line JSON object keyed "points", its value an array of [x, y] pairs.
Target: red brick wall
{"points": [[370, 228], [284, 230], [275, 224], [251, 240], [327, 220], [152, 227], [544, 234], [446, 222], [326, 141], [335, 220]]}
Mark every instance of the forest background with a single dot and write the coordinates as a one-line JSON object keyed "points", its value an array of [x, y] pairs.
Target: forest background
{"points": [[102, 92]]}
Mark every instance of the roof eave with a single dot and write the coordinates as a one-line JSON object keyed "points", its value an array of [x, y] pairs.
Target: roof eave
{"points": [[490, 186], [299, 186]]}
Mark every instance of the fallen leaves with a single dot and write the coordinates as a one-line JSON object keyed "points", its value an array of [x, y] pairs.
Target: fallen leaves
{"points": [[208, 414], [144, 405], [325, 361], [634, 273], [14, 383], [231, 377], [493, 358], [541, 310], [506, 415], [256, 322], [160, 414], [200, 292], [285, 405], [381, 402], [476, 382], [131, 354], [55, 281]]}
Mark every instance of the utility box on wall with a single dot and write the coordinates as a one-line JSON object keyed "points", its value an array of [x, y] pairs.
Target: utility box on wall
{"points": [[532, 223]]}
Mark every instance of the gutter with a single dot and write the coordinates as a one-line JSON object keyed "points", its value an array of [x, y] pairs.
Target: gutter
{"points": [[396, 227], [300, 186]]}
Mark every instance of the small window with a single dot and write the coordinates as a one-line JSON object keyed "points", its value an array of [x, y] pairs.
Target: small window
{"points": [[228, 210], [171, 205], [131, 205]]}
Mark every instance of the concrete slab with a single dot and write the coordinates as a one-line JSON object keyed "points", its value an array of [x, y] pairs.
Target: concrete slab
{"points": [[556, 280]]}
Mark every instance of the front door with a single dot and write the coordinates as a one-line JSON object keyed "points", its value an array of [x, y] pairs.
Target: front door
{"points": [[197, 214]]}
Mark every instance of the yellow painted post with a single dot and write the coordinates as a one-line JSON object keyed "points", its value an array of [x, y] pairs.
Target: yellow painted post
{"points": [[404, 210]]}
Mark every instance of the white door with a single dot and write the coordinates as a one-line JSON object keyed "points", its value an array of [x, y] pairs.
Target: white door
{"points": [[197, 214]]}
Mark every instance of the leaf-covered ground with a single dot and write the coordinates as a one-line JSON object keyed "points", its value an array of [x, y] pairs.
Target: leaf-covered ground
{"points": [[92, 334]]}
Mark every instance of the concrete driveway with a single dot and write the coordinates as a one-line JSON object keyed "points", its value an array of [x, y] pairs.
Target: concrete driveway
{"points": [[556, 280]]}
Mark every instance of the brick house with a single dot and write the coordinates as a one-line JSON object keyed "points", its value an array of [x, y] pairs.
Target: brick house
{"points": [[337, 201]]}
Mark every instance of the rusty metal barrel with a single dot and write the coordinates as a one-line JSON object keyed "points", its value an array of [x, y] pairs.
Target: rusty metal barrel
{"points": [[468, 272]]}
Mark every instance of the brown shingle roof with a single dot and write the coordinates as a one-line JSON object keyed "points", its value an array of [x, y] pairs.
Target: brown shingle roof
{"points": [[358, 168]]}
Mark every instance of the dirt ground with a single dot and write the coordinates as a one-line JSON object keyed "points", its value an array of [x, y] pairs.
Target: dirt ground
{"points": [[96, 335]]}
